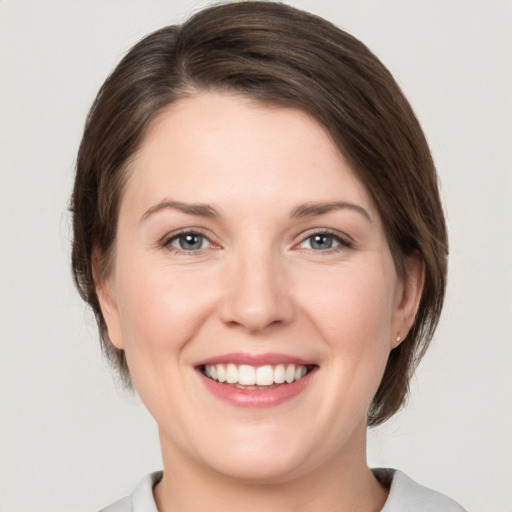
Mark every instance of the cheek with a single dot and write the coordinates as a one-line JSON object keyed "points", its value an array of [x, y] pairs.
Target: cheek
{"points": [[160, 309], [351, 304], [352, 310]]}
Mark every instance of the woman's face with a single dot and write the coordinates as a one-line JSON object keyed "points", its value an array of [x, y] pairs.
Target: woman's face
{"points": [[249, 252]]}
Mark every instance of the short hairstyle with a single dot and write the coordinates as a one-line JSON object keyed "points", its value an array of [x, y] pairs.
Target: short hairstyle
{"points": [[277, 55]]}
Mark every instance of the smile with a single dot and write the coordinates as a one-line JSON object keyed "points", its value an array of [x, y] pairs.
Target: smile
{"points": [[245, 376], [256, 381]]}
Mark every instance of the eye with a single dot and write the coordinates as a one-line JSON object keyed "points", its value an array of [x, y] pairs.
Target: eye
{"points": [[188, 242], [324, 241]]}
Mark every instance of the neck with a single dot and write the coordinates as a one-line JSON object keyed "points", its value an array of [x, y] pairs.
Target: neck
{"points": [[342, 484]]}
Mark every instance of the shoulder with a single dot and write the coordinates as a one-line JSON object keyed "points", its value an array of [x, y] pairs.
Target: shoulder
{"points": [[141, 499], [405, 495], [122, 505]]}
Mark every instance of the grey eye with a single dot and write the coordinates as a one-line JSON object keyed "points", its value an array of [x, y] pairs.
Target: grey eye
{"points": [[189, 241], [321, 241]]}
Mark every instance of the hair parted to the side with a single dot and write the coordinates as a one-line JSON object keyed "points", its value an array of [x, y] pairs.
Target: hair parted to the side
{"points": [[278, 55]]}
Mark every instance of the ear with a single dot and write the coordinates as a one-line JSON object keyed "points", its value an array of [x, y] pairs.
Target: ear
{"points": [[105, 290], [408, 298]]}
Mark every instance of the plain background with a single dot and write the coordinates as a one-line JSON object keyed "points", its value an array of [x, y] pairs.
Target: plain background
{"points": [[70, 439]]}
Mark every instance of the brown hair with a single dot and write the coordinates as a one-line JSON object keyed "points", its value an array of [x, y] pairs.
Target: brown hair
{"points": [[280, 55]]}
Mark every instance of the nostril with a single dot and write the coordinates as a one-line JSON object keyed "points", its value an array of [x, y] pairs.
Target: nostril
{"points": [[270, 312], [257, 292]]}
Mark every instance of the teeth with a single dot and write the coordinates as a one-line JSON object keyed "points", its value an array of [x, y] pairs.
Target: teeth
{"points": [[265, 376], [246, 375], [231, 374], [279, 374], [290, 373], [300, 371], [221, 373]]}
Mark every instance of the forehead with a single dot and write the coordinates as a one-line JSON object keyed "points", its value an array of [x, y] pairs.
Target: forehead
{"points": [[216, 146]]}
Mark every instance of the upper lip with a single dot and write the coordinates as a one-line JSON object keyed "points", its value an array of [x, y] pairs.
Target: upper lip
{"points": [[255, 359]]}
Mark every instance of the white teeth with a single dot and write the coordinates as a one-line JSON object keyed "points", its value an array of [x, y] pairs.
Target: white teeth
{"points": [[290, 373], [265, 376], [279, 374], [246, 375], [300, 371], [231, 374], [221, 373]]}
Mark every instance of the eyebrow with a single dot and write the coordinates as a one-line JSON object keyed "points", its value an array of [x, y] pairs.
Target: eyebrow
{"points": [[200, 210], [312, 209], [304, 210]]}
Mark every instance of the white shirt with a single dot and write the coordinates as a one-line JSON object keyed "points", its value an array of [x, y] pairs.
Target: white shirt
{"points": [[405, 495]]}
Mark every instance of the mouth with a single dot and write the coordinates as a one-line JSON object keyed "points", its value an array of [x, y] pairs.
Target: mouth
{"points": [[256, 378]]}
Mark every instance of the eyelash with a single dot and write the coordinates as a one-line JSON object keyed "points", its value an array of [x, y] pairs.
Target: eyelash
{"points": [[167, 243], [343, 241]]}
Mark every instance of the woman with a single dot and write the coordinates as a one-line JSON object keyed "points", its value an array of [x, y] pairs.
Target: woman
{"points": [[257, 227]]}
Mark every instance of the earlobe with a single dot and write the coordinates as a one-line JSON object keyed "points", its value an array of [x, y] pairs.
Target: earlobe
{"points": [[108, 304], [395, 342], [410, 298]]}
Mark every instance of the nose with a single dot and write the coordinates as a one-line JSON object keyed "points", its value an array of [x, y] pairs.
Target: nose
{"points": [[258, 294]]}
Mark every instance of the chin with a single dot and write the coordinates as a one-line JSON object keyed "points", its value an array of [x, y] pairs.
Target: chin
{"points": [[266, 469], [262, 454]]}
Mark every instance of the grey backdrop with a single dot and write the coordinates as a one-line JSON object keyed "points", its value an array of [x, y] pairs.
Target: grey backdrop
{"points": [[70, 440]]}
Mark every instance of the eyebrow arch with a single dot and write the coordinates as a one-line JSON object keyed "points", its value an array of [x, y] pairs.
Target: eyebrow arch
{"points": [[311, 209], [200, 210]]}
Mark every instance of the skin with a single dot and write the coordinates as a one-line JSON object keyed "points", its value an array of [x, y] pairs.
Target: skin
{"points": [[256, 285]]}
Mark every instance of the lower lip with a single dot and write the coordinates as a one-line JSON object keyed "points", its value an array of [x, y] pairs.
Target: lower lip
{"points": [[257, 398]]}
